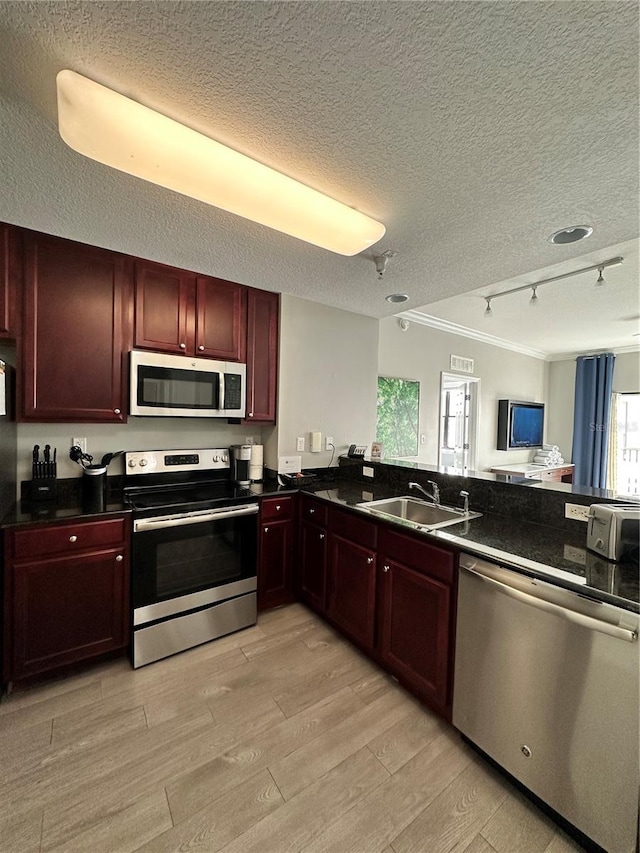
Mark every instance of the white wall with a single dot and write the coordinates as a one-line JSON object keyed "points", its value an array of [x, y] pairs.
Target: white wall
{"points": [[422, 353], [327, 380], [137, 434], [562, 377]]}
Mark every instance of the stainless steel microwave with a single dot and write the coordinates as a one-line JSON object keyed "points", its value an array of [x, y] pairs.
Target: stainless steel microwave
{"points": [[177, 386]]}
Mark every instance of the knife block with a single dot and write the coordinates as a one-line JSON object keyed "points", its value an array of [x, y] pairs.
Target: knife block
{"points": [[44, 485], [44, 488]]}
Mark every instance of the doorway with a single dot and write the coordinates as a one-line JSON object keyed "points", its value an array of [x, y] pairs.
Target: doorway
{"points": [[459, 412]]}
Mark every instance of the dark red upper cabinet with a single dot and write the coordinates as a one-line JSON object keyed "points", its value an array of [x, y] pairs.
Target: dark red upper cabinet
{"points": [[10, 287], [74, 331], [262, 355], [164, 308], [221, 319]]}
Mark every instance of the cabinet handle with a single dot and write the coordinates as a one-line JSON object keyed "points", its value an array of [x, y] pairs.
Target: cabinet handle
{"points": [[183, 346], [116, 411], [250, 414], [73, 538], [201, 348], [278, 507], [322, 535], [311, 511], [266, 530], [369, 560], [119, 558], [385, 569]]}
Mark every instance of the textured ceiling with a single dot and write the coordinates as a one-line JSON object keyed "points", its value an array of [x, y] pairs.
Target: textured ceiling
{"points": [[471, 129]]}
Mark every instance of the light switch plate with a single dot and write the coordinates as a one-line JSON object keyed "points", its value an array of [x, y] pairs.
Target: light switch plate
{"points": [[316, 442]]}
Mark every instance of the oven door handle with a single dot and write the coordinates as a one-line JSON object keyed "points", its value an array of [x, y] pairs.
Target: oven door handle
{"points": [[143, 524]]}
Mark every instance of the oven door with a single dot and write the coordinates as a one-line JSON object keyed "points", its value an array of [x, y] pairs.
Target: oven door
{"points": [[184, 562]]}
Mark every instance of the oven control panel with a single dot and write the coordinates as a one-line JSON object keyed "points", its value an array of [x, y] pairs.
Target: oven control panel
{"points": [[159, 461]]}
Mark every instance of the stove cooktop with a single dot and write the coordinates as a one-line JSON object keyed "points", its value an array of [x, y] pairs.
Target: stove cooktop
{"points": [[187, 497], [158, 481]]}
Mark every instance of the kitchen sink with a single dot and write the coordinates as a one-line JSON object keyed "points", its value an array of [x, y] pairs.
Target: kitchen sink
{"points": [[418, 513]]}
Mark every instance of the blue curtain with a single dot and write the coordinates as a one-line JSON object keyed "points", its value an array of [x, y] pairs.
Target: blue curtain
{"points": [[594, 377]]}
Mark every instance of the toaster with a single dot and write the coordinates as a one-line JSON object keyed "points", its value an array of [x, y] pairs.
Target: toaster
{"points": [[613, 531]]}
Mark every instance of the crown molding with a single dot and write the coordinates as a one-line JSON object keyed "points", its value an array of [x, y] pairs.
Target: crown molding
{"points": [[463, 331], [570, 356]]}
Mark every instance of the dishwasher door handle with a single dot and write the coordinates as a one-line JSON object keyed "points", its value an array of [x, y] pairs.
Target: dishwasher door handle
{"points": [[582, 619]]}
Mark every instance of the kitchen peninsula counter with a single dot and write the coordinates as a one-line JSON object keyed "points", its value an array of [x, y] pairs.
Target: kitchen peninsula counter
{"points": [[556, 555]]}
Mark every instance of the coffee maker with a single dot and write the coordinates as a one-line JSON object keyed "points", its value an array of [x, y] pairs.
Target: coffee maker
{"points": [[239, 460]]}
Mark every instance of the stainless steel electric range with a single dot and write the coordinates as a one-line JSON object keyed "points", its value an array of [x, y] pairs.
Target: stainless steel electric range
{"points": [[194, 554]]}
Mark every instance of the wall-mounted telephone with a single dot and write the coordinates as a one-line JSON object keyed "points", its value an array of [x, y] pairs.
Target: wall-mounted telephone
{"points": [[356, 451]]}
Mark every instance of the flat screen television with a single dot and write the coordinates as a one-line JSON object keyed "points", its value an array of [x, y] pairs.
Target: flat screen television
{"points": [[520, 424]]}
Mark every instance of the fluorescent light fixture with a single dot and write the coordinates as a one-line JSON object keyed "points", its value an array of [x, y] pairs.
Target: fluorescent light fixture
{"points": [[116, 131]]}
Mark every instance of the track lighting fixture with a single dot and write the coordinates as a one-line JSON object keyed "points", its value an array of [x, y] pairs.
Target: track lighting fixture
{"points": [[534, 301]]}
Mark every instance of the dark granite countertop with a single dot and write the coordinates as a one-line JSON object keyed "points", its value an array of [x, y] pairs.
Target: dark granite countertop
{"points": [[556, 555], [35, 512]]}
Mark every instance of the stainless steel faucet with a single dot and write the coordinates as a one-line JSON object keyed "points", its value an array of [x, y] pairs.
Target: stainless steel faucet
{"points": [[465, 495], [435, 497]]}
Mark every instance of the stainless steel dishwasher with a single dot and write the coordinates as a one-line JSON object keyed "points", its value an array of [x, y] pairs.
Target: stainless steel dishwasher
{"points": [[546, 684]]}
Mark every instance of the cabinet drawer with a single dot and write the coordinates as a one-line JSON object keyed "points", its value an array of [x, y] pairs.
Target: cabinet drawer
{"points": [[416, 554], [314, 511], [60, 538], [273, 509], [354, 528]]}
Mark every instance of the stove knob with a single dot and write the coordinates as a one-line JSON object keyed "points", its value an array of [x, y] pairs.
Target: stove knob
{"points": [[132, 463], [143, 462], [216, 458]]}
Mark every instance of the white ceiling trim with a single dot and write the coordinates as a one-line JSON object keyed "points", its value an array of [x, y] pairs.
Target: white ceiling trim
{"points": [[569, 356], [465, 332]]}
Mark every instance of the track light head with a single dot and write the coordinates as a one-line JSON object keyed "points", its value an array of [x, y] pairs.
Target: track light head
{"points": [[600, 280], [534, 301], [487, 311]]}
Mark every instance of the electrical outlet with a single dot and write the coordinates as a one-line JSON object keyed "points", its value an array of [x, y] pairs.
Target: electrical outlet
{"points": [[366, 471], [248, 439], [328, 443], [578, 512], [79, 442], [575, 555], [300, 442]]}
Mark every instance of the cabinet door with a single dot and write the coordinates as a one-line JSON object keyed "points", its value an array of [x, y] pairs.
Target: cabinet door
{"points": [[351, 603], [262, 354], [10, 287], [74, 331], [164, 308], [416, 621], [67, 609], [313, 565], [221, 319], [274, 568]]}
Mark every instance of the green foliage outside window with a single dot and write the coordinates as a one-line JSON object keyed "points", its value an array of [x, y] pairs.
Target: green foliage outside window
{"points": [[397, 429]]}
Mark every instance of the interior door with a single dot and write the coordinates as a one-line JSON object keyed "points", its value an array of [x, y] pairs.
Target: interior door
{"points": [[459, 400]]}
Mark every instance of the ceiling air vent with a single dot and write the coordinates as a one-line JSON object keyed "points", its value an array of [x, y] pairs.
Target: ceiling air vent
{"points": [[463, 365]]}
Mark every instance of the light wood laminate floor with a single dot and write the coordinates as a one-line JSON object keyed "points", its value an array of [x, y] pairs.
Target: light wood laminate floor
{"points": [[278, 738]]}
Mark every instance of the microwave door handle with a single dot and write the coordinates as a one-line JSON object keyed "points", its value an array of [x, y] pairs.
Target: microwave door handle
{"points": [[221, 390], [200, 518]]}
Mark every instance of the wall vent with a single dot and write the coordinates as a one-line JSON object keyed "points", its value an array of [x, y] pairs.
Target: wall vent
{"points": [[463, 365]]}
